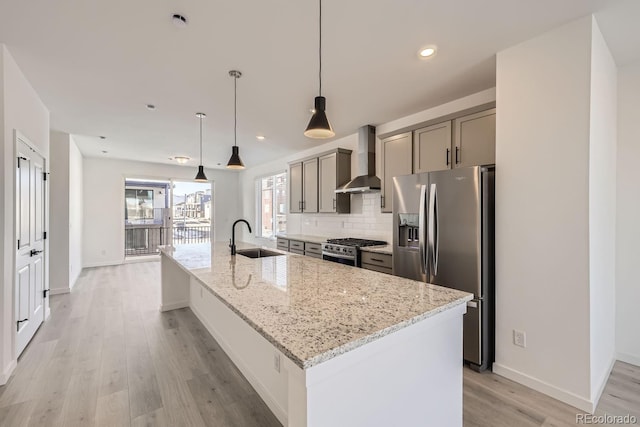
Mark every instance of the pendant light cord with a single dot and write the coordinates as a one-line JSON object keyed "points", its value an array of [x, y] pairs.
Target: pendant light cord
{"points": [[320, 49], [235, 110], [200, 139]]}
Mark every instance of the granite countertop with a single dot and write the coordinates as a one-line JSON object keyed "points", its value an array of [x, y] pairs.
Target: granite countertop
{"points": [[312, 310], [303, 238], [384, 249]]}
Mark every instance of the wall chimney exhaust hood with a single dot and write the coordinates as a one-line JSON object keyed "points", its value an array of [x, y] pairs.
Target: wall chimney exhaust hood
{"points": [[367, 181]]}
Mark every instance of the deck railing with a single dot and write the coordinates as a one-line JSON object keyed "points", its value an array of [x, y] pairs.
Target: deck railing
{"points": [[146, 240]]}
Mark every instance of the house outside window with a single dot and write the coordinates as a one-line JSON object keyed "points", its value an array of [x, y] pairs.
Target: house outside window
{"points": [[272, 205]]}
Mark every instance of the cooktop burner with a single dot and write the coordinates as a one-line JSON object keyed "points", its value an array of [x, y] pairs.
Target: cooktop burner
{"points": [[350, 241]]}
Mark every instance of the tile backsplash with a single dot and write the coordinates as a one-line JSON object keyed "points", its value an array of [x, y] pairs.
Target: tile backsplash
{"points": [[364, 221]]}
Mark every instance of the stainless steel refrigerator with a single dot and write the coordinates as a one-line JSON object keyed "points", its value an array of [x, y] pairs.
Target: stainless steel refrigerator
{"points": [[443, 233]]}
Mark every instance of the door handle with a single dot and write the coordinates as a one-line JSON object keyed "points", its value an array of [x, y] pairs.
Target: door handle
{"points": [[20, 321], [34, 252], [432, 219], [421, 224]]}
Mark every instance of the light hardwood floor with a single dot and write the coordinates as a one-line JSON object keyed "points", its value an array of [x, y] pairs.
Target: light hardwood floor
{"points": [[107, 357]]}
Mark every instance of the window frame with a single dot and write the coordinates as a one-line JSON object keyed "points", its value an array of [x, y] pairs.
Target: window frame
{"points": [[258, 205]]}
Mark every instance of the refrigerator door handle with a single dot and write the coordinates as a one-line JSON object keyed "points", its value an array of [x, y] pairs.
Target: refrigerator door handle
{"points": [[421, 226], [432, 228]]}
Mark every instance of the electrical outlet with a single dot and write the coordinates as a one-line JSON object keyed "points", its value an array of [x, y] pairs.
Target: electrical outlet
{"points": [[276, 362], [519, 338]]}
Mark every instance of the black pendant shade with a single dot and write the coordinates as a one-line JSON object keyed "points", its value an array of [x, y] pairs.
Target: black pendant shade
{"points": [[319, 126], [234, 161], [201, 177]]}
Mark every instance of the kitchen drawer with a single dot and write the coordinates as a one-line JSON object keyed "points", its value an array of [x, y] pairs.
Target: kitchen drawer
{"points": [[297, 245], [313, 254], [374, 258], [283, 244], [315, 248], [377, 268], [296, 251]]}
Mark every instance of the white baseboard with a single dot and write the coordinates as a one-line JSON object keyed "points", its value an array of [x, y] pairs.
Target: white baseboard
{"points": [[603, 382], [59, 291], [174, 305], [262, 391], [546, 388], [142, 258], [103, 263], [4, 376], [628, 358]]}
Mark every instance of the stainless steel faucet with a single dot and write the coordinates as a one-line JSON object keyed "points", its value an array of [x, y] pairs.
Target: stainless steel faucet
{"points": [[232, 242]]}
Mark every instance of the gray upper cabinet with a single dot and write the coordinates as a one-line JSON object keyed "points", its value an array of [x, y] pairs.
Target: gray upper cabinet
{"points": [[475, 139], [310, 185], [397, 159], [334, 170], [432, 148], [295, 187]]}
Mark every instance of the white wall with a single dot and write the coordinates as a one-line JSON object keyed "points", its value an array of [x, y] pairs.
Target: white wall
{"points": [[365, 219], [59, 213], [21, 109], [548, 128], [103, 229], [602, 211], [76, 211], [628, 216]]}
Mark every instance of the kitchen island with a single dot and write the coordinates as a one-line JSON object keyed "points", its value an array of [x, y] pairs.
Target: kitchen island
{"points": [[326, 344]]}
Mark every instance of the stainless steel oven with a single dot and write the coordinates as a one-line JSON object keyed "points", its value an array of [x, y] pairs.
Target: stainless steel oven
{"points": [[346, 251]]}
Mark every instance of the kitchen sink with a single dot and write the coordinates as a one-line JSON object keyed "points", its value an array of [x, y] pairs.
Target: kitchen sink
{"points": [[257, 253]]}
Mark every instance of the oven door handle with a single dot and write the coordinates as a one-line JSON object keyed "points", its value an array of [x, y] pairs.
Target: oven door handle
{"points": [[332, 255]]}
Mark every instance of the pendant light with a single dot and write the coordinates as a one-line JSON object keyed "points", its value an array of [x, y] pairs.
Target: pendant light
{"points": [[319, 127], [234, 161], [201, 177]]}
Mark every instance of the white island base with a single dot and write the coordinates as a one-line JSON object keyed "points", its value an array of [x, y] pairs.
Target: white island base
{"points": [[410, 377]]}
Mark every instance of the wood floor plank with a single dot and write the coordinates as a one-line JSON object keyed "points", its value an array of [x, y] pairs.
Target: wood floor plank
{"points": [[113, 366], [47, 412], [113, 410], [152, 419]]}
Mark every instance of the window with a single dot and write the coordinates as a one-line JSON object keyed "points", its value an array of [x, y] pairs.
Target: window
{"points": [[272, 205], [138, 204]]}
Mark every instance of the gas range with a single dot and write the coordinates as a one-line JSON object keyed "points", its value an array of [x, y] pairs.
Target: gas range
{"points": [[347, 250]]}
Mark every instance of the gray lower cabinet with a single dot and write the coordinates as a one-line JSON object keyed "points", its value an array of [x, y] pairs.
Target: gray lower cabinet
{"points": [[283, 244], [313, 250], [397, 158], [296, 246], [377, 262]]}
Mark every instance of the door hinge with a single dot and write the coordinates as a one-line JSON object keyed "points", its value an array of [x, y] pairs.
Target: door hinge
{"points": [[44, 175], [20, 321], [44, 235], [21, 158], [45, 292], [18, 243]]}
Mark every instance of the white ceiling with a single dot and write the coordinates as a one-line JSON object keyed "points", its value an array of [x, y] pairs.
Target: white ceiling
{"points": [[96, 64]]}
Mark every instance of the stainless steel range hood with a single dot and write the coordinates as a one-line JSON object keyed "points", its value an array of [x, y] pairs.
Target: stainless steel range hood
{"points": [[367, 181]]}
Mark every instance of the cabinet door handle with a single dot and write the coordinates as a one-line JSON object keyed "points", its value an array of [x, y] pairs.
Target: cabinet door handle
{"points": [[457, 155], [334, 204], [381, 201], [447, 156], [377, 259]]}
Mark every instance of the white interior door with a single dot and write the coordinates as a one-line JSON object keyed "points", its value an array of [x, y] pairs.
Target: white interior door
{"points": [[30, 259]]}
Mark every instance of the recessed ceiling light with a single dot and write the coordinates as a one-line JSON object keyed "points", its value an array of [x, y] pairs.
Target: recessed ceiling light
{"points": [[102, 137], [260, 137], [427, 52], [181, 159], [178, 20], [104, 152], [151, 107]]}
